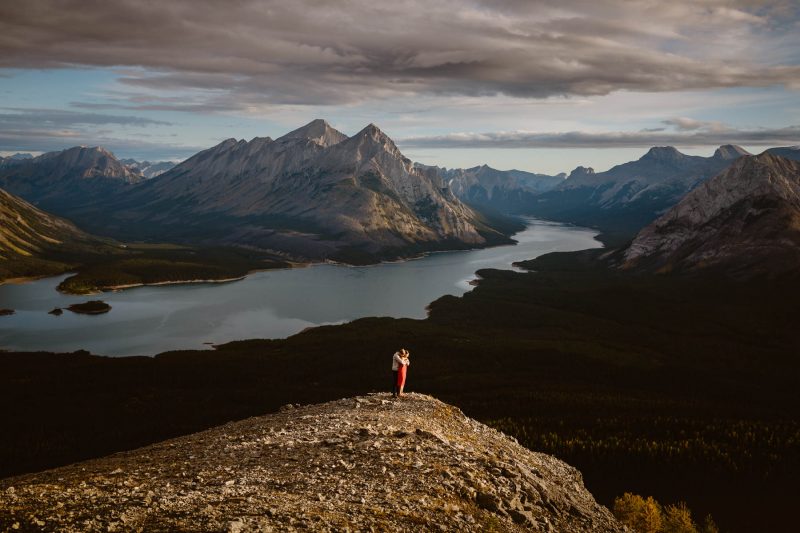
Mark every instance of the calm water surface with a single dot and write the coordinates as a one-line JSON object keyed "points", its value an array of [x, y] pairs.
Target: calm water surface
{"points": [[272, 304]]}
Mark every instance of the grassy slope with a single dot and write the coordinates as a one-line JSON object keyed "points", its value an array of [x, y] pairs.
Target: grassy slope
{"points": [[34, 243], [29, 236], [676, 388]]}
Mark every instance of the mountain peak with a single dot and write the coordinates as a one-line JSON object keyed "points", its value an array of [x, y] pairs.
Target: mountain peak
{"points": [[581, 171], [375, 136], [319, 131], [663, 153], [373, 131], [730, 152], [83, 150]]}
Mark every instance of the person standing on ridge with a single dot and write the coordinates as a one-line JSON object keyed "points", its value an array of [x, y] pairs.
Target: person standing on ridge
{"points": [[400, 362]]}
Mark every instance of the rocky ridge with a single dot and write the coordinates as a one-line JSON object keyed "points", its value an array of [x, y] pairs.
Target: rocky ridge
{"points": [[745, 220], [789, 152], [368, 463]]}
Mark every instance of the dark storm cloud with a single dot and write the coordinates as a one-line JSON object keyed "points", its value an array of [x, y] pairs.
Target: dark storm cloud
{"points": [[582, 139], [27, 118], [44, 130], [248, 53]]}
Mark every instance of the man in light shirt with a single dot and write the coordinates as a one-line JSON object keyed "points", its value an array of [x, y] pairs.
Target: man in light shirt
{"points": [[399, 360]]}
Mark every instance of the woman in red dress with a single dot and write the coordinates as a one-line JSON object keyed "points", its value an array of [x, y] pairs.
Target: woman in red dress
{"points": [[402, 370]]}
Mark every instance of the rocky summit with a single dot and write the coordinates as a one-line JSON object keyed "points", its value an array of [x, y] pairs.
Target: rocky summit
{"points": [[369, 463]]}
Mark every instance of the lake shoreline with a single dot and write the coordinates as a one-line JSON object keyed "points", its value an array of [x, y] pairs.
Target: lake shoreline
{"points": [[264, 304], [292, 265], [27, 279]]}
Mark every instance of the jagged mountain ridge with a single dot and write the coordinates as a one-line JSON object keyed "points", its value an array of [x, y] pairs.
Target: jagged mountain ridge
{"points": [[313, 192], [629, 196], [745, 221], [361, 464], [506, 191], [62, 182]]}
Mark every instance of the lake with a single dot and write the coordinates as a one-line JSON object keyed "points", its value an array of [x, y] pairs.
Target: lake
{"points": [[269, 304]]}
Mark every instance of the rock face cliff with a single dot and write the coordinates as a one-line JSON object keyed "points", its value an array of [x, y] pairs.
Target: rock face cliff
{"points": [[745, 221], [368, 463]]}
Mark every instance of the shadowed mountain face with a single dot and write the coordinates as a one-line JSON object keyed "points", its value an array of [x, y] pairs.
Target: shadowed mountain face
{"points": [[30, 239], [505, 191], [63, 182], [745, 221], [629, 196], [312, 193]]}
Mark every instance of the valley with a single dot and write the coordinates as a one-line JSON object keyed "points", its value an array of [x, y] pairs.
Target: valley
{"points": [[268, 304], [659, 364], [588, 365], [438, 266]]}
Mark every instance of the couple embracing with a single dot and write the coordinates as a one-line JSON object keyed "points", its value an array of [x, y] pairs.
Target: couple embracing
{"points": [[400, 362]]}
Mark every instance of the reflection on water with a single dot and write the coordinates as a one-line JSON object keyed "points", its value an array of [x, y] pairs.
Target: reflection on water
{"points": [[149, 320]]}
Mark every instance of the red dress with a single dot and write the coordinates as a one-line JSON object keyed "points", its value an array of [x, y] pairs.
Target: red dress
{"points": [[401, 376]]}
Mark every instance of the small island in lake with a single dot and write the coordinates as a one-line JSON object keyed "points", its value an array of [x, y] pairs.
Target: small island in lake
{"points": [[92, 307], [6, 312], [57, 311]]}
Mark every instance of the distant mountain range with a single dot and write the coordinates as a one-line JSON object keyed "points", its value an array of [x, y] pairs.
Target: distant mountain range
{"points": [[148, 169], [631, 195], [313, 193], [316, 194], [504, 191], [745, 221], [68, 181], [16, 157]]}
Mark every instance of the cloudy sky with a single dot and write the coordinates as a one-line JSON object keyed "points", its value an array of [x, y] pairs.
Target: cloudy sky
{"points": [[541, 85]]}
